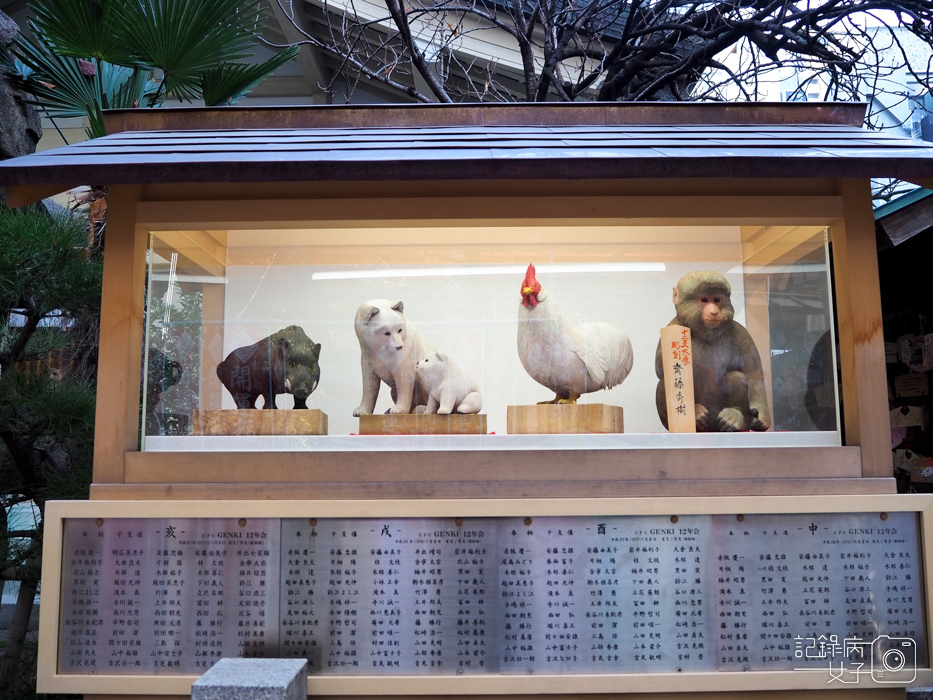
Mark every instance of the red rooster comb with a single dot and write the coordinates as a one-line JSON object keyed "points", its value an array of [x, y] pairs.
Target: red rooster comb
{"points": [[530, 288]]}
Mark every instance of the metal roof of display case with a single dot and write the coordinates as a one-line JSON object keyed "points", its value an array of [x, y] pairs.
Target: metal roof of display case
{"points": [[450, 142]]}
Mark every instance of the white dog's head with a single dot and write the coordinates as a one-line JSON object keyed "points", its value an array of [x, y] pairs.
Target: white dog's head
{"points": [[380, 324]]}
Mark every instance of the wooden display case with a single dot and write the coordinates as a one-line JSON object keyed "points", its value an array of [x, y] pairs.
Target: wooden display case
{"points": [[769, 226]]}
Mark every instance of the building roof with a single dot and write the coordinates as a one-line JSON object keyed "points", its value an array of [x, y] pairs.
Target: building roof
{"points": [[405, 142], [905, 217]]}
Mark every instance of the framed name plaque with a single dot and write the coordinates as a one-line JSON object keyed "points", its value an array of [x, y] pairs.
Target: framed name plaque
{"points": [[475, 597]]}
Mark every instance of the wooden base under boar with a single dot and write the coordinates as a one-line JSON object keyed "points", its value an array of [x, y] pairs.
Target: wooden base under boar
{"points": [[424, 424], [564, 419], [258, 421]]}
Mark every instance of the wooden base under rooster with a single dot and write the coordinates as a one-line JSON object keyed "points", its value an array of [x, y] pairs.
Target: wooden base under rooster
{"points": [[565, 419]]}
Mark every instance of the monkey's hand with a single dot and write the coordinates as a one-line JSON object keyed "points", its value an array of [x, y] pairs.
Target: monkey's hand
{"points": [[703, 420], [730, 420], [760, 419]]}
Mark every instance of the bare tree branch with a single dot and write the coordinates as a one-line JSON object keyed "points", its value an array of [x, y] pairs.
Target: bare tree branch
{"points": [[617, 49]]}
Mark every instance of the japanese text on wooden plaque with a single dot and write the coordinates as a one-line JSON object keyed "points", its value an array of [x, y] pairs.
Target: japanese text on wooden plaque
{"points": [[677, 364]]}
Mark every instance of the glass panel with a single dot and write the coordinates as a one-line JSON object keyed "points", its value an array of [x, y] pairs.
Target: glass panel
{"points": [[794, 280], [222, 306]]}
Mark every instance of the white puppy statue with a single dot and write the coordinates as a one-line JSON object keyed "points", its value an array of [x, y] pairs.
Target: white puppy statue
{"points": [[449, 389], [390, 347]]}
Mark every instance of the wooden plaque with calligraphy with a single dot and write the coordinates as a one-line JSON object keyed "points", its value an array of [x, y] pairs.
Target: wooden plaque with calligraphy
{"points": [[677, 360]]}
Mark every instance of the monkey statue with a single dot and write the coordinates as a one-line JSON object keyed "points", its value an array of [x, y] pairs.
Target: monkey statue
{"points": [[728, 381]]}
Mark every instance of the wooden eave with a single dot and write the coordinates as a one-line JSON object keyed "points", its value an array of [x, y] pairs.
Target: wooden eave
{"points": [[479, 142]]}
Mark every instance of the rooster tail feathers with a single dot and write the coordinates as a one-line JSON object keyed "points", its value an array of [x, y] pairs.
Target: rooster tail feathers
{"points": [[606, 352]]}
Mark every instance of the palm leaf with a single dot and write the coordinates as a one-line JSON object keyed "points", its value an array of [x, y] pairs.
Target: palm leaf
{"points": [[183, 38], [135, 91], [229, 82], [13, 67], [61, 88], [57, 82], [196, 44], [80, 28], [122, 87]]}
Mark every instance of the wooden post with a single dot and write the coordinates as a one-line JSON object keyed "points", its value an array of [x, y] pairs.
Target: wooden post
{"points": [[861, 340], [121, 335], [677, 360]]}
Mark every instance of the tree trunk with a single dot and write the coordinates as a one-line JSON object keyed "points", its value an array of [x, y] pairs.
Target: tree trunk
{"points": [[4, 539], [10, 665]]}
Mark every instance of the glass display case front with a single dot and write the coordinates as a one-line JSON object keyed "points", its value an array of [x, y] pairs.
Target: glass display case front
{"points": [[310, 321]]}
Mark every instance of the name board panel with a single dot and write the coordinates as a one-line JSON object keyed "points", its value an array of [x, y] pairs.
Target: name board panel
{"points": [[792, 589], [497, 595], [168, 595]]}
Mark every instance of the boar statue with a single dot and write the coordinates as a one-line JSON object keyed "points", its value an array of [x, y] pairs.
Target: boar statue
{"points": [[284, 363]]}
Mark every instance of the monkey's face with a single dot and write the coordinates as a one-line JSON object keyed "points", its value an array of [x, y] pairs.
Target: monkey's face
{"points": [[704, 303], [713, 309]]}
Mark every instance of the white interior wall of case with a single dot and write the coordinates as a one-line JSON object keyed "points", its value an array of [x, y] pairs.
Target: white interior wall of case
{"points": [[472, 318]]}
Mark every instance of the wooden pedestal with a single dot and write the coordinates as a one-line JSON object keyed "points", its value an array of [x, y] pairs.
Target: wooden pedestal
{"points": [[258, 421], [424, 424], [564, 419]]}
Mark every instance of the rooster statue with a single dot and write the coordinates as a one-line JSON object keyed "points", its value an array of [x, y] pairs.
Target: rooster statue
{"points": [[569, 360]]}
